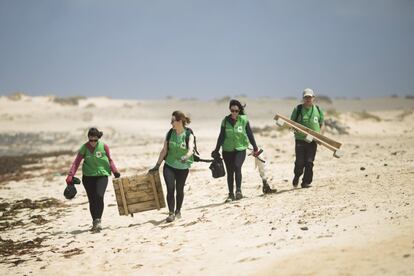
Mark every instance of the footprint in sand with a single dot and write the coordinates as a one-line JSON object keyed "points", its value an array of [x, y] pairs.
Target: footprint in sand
{"points": [[248, 259]]}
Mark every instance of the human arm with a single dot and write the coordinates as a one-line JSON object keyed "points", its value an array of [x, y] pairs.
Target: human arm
{"points": [[114, 170], [190, 149], [251, 137], [220, 141], [74, 168]]}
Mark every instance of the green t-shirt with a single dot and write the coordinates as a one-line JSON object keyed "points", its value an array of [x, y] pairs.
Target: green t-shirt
{"points": [[235, 137], [176, 149], [95, 163], [310, 117]]}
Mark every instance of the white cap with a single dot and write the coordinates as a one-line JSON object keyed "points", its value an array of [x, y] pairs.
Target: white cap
{"points": [[308, 92]]}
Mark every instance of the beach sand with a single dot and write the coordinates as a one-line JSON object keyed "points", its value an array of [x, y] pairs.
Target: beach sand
{"points": [[357, 219]]}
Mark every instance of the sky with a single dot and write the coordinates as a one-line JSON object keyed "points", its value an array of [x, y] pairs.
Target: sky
{"points": [[207, 49]]}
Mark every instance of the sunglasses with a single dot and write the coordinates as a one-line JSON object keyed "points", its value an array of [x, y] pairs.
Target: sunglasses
{"points": [[234, 110], [93, 140]]}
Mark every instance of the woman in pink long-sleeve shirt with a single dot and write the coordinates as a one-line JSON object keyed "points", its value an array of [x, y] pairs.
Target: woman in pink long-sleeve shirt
{"points": [[96, 168]]}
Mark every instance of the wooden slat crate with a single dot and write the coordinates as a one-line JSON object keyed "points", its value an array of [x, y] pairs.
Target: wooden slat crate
{"points": [[138, 193]]}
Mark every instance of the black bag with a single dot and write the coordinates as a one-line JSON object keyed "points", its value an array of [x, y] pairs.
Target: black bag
{"points": [[70, 190], [217, 168]]}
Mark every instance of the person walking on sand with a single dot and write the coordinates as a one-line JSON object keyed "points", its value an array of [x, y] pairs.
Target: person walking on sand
{"points": [[96, 168], [235, 135], [178, 155], [311, 116]]}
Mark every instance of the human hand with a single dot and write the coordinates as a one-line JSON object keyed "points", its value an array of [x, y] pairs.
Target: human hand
{"points": [[154, 169], [257, 152], [117, 174], [215, 154]]}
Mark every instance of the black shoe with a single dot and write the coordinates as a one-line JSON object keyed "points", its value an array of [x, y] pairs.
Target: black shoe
{"points": [[170, 218], [305, 185], [230, 198], [267, 190], [239, 195], [96, 225], [295, 181]]}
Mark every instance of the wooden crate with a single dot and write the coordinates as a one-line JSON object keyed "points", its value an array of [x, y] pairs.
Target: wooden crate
{"points": [[138, 193]]}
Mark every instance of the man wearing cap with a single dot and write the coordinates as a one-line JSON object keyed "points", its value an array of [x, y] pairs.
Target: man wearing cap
{"points": [[311, 116]]}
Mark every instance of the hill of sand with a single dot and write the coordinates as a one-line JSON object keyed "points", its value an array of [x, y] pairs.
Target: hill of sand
{"points": [[355, 220]]}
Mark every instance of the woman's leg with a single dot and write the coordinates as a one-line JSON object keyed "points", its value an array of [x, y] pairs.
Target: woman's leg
{"points": [[228, 158], [169, 177], [101, 184], [89, 182], [181, 178], [240, 156]]}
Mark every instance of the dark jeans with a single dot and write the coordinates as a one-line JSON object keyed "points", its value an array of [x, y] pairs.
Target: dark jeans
{"points": [[234, 162], [95, 187], [305, 155], [175, 180]]}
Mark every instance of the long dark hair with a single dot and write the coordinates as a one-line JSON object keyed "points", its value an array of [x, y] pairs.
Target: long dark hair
{"points": [[239, 105], [94, 132]]}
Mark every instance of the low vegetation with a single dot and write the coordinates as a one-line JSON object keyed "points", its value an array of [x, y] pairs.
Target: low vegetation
{"points": [[16, 96], [68, 100], [364, 115]]}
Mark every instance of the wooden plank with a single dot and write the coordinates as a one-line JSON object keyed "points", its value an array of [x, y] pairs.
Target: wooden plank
{"points": [[323, 140], [310, 131], [124, 203], [142, 206], [307, 130], [133, 198], [154, 189], [138, 178], [132, 189], [159, 190]]}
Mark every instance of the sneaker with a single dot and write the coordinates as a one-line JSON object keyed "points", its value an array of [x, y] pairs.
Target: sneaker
{"points": [[230, 198], [305, 185], [170, 218], [96, 225], [177, 214], [239, 195], [295, 181], [267, 190]]}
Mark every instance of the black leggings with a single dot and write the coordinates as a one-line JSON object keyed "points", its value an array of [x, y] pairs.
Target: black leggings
{"points": [[174, 179], [95, 187], [234, 162]]}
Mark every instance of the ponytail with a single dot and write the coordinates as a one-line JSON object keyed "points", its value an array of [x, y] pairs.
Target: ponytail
{"points": [[180, 116]]}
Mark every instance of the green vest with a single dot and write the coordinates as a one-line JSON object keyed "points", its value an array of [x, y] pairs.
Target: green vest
{"points": [[311, 117], [177, 148], [96, 163], [235, 137]]}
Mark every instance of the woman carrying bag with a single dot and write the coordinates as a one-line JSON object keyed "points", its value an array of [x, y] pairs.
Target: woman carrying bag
{"points": [[235, 135], [96, 168]]}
